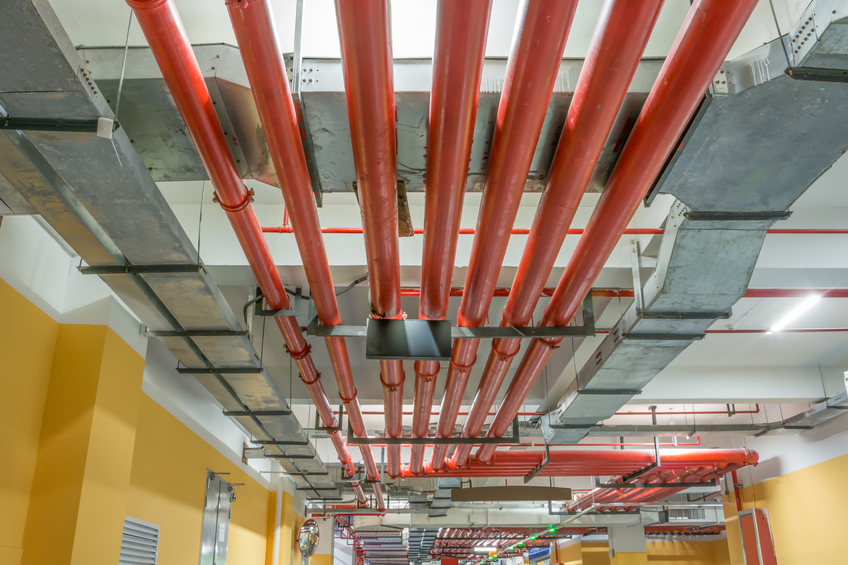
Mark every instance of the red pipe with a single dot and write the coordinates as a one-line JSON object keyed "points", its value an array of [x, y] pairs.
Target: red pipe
{"points": [[457, 67], [707, 34], [625, 293], [620, 37], [594, 462], [369, 91], [571, 231], [737, 493], [531, 72], [263, 62], [169, 44]]}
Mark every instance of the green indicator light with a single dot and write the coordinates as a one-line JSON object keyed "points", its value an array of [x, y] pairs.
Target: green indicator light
{"points": [[532, 537], [521, 543], [551, 529]]}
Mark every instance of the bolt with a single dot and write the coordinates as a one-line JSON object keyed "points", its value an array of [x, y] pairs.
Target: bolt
{"points": [[87, 61], [213, 68]]}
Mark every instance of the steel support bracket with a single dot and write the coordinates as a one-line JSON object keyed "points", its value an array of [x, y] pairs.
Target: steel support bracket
{"points": [[540, 466], [198, 333], [514, 439], [49, 124], [696, 216], [663, 336], [258, 310], [256, 413], [174, 269], [723, 315], [219, 370], [816, 74]]}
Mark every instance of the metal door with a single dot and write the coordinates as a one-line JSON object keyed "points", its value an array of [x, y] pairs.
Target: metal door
{"points": [[216, 521]]}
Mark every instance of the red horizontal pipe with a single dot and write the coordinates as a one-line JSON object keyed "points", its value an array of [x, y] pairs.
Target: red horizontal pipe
{"points": [[457, 67], [594, 462], [571, 231], [626, 293], [164, 31], [707, 34], [566, 445], [263, 62], [786, 331], [369, 92]]}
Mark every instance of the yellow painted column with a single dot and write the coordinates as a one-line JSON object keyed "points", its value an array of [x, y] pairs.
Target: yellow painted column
{"points": [[27, 340], [82, 474], [624, 558], [325, 552]]}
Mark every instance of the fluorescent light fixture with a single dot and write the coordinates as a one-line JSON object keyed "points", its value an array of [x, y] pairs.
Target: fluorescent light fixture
{"points": [[484, 549], [794, 314]]}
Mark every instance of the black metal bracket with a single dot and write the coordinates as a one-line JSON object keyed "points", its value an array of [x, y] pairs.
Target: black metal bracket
{"points": [[711, 483], [663, 336], [258, 310], [199, 333], [257, 413], [515, 439], [540, 466], [280, 442], [817, 74], [496, 332], [141, 269], [318, 427], [610, 392], [278, 456], [306, 474], [219, 370], [49, 124], [642, 472], [723, 315], [698, 216]]}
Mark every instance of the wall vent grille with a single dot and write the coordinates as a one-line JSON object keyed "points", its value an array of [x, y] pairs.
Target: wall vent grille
{"points": [[139, 543]]}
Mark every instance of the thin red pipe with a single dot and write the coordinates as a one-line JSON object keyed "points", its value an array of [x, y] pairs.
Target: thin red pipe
{"points": [[624, 293], [619, 39], [707, 34], [169, 44], [531, 72], [785, 331], [461, 30], [737, 493], [369, 91], [263, 61]]}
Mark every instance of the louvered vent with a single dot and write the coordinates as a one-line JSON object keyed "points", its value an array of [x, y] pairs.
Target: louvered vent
{"points": [[140, 543], [686, 514]]}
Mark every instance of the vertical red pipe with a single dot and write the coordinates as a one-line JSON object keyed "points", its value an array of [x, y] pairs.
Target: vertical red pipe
{"points": [[622, 31], [169, 44], [703, 42], [457, 67], [263, 62], [369, 91], [530, 76]]}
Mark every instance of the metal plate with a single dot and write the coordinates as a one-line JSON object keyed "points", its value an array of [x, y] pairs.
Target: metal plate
{"points": [[427, 340]]}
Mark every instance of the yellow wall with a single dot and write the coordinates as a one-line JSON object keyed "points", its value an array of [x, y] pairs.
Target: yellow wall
{"points": [[27, 341], [83, 446], [807, 513], [713, 552], [168, 485]]}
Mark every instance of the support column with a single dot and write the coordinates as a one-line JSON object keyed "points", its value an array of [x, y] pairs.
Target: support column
{"points": [[567, 552], [627, 545], [325, 552], [82, 474]]}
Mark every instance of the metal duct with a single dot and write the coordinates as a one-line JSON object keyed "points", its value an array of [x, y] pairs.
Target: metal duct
{"points": [[118, 221], [731, 174]]}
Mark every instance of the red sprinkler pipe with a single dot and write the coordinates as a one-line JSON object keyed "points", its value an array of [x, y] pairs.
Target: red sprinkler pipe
{"points": [[369, 91], [596, 462], [263, 62], [707, 34], [528, 84], [457, 68], [169, 44], [620, 37]]}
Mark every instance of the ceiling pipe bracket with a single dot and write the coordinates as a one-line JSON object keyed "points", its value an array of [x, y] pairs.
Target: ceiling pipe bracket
{"points": [[816, 74]]}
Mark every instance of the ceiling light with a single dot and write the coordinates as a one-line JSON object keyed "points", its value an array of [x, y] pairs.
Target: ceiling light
{"points": [[484, 549], [791, 316]]}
